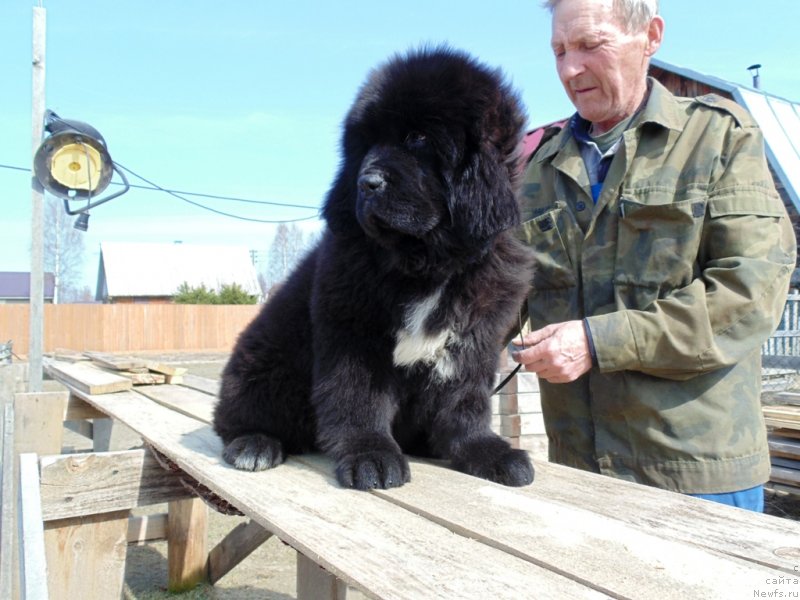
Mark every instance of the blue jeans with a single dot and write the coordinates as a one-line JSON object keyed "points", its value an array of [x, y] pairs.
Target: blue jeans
{"points": [[752, 499]]}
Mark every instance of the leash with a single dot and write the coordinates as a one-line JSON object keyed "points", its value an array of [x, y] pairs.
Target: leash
{"points": [[510, 376]]}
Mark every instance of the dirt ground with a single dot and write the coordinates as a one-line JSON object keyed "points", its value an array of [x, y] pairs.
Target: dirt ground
{"points": [[268, 573]]}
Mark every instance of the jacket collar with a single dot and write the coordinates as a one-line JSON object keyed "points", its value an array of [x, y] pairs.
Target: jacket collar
{"points": [[662, 109]]}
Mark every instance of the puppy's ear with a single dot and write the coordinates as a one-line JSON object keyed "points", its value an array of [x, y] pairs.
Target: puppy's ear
{"points": [[482, 201], [339, 209]]}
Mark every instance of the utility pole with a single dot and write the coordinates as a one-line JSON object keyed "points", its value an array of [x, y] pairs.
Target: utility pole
{"points": [[36, 318]]}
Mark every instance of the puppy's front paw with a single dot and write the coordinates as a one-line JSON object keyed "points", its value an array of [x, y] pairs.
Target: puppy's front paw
{"points": [[495, 460], [375, 469], [254, 452]]}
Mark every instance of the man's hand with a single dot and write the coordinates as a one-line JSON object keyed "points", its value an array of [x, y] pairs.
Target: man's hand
{"points": [[558, 353]]}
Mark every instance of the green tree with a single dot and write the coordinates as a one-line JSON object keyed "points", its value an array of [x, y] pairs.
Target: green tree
{"points": [[187, 294], [235, 294], [227, 294]]}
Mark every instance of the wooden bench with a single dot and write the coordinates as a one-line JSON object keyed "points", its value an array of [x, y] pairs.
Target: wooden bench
{"points": [[444, 535]]}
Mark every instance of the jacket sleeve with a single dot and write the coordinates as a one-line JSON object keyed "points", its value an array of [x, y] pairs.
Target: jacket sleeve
{"points": [[746, 255]]}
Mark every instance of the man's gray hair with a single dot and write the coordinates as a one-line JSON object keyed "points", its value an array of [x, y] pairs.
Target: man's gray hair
{"points": [[633, 15]]}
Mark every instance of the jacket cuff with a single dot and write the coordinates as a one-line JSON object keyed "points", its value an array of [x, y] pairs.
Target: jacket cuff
{"points": [[590, 341], [612, 340]]}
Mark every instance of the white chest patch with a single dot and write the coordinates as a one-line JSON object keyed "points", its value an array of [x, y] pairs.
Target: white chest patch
{"points": [[413, 345]]}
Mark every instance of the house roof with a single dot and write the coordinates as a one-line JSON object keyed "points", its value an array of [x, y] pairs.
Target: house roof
{"points": [[157, 270], [16, 285], [778, 118]]}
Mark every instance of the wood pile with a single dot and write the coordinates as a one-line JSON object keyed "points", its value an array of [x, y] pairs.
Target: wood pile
{"points": [[784, 441], [517, 411], [104, 373]]}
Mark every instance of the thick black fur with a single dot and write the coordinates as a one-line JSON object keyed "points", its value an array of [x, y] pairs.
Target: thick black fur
{"points": [[417, 255]]}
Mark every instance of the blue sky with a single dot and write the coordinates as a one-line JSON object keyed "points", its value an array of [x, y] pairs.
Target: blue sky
{"points": [[245, 99]]}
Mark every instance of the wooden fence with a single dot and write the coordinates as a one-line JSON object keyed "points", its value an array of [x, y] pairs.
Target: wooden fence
{"points": [[128, 327], [782, 350], [133, 327]]}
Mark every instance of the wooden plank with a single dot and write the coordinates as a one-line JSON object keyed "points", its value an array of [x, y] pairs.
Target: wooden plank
{"points": [[74, 485], [782, 416], [109, 434], [77, 409], [725, 529], [784, 474], [521, 424], [787, 433], [67, 355], [315, 583], [7, 501], [784, 447], [788, 398], [39, 425], [32, 559], [335, 526], [569, 539], [183, 400], [144, 378], [781, 423], [187, 539], [86, 556], [242, 541], [786, 463], [87, 379], [117, 363], [146, 528], [166, 369], [202, 384]]}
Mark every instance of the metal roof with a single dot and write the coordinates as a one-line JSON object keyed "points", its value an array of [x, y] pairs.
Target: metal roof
{"points": [[778, 118], [16, 285], [158, 270]]}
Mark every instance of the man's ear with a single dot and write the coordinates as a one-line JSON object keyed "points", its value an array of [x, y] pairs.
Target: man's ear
{"points": [[655, 33]]}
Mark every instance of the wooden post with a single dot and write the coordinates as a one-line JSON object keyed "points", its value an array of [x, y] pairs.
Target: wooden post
{"points": [[7, 502], [32, 562], [244, 539], [36, 324], [86, 556], [315, 583], [187, 542]]}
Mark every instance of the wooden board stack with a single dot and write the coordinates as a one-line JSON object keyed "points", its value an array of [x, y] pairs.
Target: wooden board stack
{"points": [[107, 373], [784, 441], [517, 411]]}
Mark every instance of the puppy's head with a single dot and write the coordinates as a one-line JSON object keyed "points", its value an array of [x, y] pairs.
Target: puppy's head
{"points": [[429, 154]]}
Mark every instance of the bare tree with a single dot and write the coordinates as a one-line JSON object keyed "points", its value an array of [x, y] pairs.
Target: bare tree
{"points": [[63, 251], [287, 248]]}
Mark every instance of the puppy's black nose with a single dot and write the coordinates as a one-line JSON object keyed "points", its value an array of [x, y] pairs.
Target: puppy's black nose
{"points": [[371, 184]]}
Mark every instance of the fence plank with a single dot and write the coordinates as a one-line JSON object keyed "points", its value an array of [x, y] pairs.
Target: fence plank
{"points": [[129, 327]]}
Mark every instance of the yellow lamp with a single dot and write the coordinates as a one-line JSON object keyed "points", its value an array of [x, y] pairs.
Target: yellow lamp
{"points": [[73, 163]]}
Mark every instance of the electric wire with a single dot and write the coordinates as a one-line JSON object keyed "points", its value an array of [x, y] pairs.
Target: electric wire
{"points": [[208, 208], [179, 194]]}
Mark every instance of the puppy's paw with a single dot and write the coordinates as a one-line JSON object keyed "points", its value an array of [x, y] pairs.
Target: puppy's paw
{"points": [[254, 452], [381, 469], [496, 461]]}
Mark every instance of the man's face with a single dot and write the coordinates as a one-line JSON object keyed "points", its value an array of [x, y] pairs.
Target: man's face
{"points": [[602, 68]]}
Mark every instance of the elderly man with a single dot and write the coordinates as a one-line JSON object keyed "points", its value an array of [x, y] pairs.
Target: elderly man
{"points": [[664, 256]]}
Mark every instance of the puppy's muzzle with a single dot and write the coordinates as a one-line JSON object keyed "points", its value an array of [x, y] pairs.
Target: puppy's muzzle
{"points": [[371, 184]]}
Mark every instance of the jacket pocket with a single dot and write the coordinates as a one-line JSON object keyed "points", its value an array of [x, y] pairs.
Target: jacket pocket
{"points": [[548, 235], [657, 248]]}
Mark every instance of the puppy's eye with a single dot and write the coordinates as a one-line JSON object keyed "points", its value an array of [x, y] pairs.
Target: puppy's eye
{"points": [[415, 140]]}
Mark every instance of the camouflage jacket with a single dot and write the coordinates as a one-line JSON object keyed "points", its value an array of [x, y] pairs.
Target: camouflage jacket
{"points": [[681, 270]]}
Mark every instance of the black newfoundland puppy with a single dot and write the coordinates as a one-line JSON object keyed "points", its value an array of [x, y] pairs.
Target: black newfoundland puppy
{"points": [[386, 337]]}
